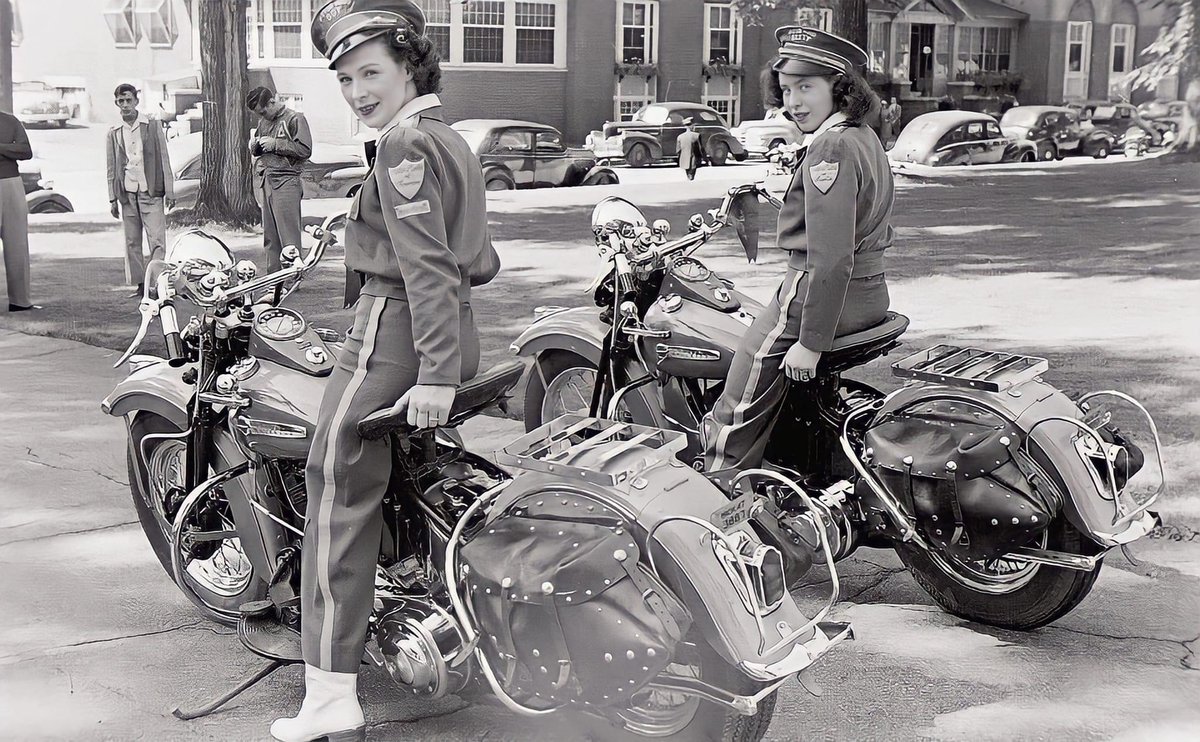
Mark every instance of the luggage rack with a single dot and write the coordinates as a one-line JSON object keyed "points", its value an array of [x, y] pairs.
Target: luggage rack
{"points": [[974, 368], [554, 448]]}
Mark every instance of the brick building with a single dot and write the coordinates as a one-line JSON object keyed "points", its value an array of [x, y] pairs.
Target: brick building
{"points": [[577, 63]]}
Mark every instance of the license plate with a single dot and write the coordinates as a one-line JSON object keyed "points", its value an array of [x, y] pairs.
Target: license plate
{"points": [[735, 513]]}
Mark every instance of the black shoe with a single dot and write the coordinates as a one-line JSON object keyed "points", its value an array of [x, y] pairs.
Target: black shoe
{"points": [[19, 308], [139, 293]]}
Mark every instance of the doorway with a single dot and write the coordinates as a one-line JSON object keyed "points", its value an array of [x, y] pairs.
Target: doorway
{"points": [[920, 61]]}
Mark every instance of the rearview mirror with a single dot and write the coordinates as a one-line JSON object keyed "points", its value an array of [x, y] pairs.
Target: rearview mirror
{"points": [[743, 212]]}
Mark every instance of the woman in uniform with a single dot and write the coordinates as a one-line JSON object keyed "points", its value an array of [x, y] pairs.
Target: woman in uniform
{"points": [[835, 223], [417, 236]]}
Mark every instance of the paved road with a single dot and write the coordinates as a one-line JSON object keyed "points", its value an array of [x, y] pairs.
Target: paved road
{"points": [[95, 642]]}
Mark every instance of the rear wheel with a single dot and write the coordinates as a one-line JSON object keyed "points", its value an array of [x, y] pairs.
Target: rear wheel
{"points": [[218, 577], [1028, 157], [602, 179], [50, 207], [1101, 152], [718, 153], [638, 155], [499, 182], [1047, 152]]}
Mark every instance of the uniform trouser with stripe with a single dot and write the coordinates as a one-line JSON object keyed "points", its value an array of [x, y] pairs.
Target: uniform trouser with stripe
{"points": [[142, 213], [281, 196], [347, 478], [736, 431], [14, 236]]}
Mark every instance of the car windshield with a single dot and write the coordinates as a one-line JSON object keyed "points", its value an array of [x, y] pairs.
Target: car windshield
{"points": [[1020, 117], [653, 115], [1103, 113]]}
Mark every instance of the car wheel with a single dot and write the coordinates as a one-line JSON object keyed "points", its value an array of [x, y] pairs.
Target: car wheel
{"points": [[499, 182], [1047, 152], [601, 179], [1101, 152], [638, 155], [1028, 157], [50, 207], [718, 153]]}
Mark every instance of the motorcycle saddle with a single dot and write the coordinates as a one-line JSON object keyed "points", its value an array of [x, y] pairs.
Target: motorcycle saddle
{"points": [[863, 346], [473, 397]]}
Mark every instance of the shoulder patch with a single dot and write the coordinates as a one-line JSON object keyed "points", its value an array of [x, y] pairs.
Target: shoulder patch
{"points": [[824, 175], [408, 176]]}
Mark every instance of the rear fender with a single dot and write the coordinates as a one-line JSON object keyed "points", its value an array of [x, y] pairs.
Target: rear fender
{"points": [[35, 200], [596, 172], [154, 386]]}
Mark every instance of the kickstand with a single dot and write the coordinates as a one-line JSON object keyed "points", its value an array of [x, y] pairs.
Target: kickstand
{"points": [[245, 684]]}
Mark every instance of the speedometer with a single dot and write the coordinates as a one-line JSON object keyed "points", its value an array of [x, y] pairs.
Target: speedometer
{"points": [[690, 269], [279, 323]]}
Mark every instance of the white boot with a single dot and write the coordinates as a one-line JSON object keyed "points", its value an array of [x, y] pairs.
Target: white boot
{"points": [[330, 710]]}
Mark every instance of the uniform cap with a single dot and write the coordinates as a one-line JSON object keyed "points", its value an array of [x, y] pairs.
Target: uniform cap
{"points": [[341, 25], [811, 51]]}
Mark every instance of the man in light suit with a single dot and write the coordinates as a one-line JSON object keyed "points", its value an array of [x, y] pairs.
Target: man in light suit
{"points": [[139, 181]]}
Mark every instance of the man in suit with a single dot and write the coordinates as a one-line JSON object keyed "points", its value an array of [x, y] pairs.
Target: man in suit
{"points": [[14, 212], [690, 150], [139, 182], [281, 145]]}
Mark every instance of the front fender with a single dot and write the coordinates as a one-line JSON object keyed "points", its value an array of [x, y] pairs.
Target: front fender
{"points": [[637, 137], [578, 330], [154, 386]]}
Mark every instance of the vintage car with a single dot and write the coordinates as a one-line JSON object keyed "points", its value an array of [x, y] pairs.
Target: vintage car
{"points": [[523, 154], [1115, 118], [36, 103], [1162, 133], [762, 135], [958, 138], [326, 159], [1057, 132], [40, 196], [651, 136]]}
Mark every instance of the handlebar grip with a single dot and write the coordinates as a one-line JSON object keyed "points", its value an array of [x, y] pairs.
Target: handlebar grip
{"points": [[626, 284], [176, 353]]}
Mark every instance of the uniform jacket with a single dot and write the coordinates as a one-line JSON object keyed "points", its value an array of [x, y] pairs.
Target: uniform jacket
{"points": [[14, 145], [287, 143], [836, 221], [418, 229], [156, 162], [690, 152]]}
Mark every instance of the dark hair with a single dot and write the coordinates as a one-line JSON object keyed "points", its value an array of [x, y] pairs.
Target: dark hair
{"points": [[420, 55], [258, 97], [852, 95], [126, 88]]}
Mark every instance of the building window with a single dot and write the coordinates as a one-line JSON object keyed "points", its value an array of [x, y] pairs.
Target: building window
{"points": [[483, 32], [279, 30], [1122, 48], [636, 38], [631, 94], [821, 18], [722, 34], [118, 14], [535, 33], [983, 50], [156, 20], [437, 25], [879, 34]]}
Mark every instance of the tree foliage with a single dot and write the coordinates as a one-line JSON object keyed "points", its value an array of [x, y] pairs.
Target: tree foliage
{"points": [[1176, 52]]}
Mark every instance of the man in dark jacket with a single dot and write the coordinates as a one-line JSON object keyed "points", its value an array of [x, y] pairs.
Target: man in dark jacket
{"points": [[14, 212], [281, 145]]}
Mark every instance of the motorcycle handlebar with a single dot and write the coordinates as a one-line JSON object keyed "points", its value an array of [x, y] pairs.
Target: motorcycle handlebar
{"points": [[176, 355], [720, 220]]}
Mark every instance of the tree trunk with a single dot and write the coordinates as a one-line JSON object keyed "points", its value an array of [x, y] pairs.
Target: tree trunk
{"points": [[6, 81], [226, 193], [850, 21]]}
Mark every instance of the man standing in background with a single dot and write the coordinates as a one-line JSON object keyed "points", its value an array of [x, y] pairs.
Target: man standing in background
{"points": [[14, 212], [281, 145], [139, 180], [690, 150]]}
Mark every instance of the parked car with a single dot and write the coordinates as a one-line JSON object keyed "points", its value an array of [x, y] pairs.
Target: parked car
{"points": [[1162, 133], [524, 154], [958, 138], [651, 136], [326, 159], [40, 196], [762, 135], [1115, 118], [1162, 109], [1056, 132], [35, 102]]}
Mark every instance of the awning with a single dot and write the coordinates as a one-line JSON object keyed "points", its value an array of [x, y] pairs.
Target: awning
{"points": [[978, 10], [959, 10]]}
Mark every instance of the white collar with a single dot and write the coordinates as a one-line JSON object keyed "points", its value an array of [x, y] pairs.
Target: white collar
{"points": [[837, 118], [141, 119], [409, 111]]}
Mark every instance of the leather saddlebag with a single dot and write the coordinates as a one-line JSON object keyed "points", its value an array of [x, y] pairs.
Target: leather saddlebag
{"points": [[566, 612], [952, 467]]}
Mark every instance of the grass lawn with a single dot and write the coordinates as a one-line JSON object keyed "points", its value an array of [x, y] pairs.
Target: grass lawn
{"points": [[1097, 269]]}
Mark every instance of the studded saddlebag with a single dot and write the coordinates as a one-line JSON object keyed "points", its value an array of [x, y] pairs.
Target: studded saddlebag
{"points": [[567, 613], [952, 467]]}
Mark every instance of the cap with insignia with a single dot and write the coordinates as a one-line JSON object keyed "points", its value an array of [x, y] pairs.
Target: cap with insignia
{"points": [[811, 51], [341, 25]]}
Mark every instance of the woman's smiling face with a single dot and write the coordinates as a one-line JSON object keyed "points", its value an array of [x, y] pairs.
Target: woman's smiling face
{"points": [[374, 83], [808, 98]]}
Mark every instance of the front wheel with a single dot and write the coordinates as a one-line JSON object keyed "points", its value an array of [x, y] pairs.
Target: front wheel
{"points": [[638, 156], [1007, 594], [559, 383], [719, 153], [218, 577], [1101, 152]]}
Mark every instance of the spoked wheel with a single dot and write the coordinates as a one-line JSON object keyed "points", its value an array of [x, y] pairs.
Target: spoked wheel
{"points": [[215, 572], [1010, 594], [669, 715], [561, 383]]}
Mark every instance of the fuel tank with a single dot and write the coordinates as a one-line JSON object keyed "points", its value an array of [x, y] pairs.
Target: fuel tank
{"points": [[282, 414], [702, 339]]}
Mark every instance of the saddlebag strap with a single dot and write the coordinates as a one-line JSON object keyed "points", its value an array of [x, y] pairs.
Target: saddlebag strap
{"points": [[652, 599], [960, 533]]}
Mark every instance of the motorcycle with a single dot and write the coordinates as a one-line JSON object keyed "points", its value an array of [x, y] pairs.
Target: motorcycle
{"points": [[588, 572], [1000, 493]]}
